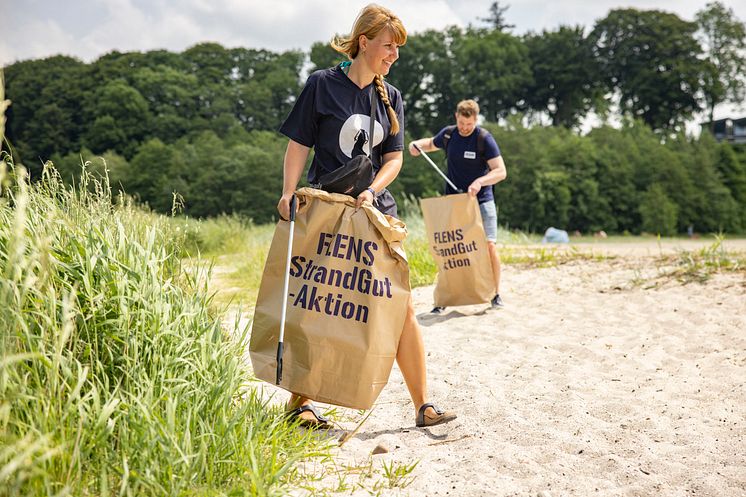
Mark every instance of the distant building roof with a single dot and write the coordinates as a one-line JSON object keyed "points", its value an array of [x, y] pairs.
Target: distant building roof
{"points": [[732, 130]]}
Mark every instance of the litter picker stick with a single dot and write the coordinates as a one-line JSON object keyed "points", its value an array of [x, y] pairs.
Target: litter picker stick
{"points": [[437, 168], [293, 202]]}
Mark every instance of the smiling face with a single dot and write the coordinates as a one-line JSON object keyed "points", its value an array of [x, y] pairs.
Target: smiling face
{"points": [[381, 52], [465, 124]]}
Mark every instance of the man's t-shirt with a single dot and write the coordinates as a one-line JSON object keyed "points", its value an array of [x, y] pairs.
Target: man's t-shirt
{"points": [[464, 163], [332, 115]]}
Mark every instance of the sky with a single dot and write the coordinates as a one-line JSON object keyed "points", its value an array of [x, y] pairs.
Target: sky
{"points": [[88, 29]]}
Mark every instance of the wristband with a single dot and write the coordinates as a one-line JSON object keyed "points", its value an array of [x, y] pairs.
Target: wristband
{"points": [[372, 191]]}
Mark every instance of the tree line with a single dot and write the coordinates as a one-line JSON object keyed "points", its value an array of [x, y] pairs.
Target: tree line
{"points": [[202, 122]]}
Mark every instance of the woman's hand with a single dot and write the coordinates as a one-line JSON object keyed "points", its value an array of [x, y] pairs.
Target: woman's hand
{"points": [[295, 160], [283, 206], [364, 195]]}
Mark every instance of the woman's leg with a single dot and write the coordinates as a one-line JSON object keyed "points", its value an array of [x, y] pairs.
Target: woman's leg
{"points": [[411, 360], [297, 401], [410, 356]]}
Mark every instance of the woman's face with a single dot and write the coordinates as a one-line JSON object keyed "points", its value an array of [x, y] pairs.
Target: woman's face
{"points": [[381, 52]]}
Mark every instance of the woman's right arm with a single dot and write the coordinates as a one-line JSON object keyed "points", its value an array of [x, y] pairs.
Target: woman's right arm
{"points": [[295, 161]]}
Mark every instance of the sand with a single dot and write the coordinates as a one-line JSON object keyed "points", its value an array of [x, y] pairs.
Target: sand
{"points": [[595, 379]]}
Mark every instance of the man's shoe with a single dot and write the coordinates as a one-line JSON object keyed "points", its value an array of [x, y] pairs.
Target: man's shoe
{"points": [[497, 302], [437, 310]]}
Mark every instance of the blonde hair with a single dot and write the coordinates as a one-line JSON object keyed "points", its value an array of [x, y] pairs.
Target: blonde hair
{"points": [[370, 22], [467, 108]]}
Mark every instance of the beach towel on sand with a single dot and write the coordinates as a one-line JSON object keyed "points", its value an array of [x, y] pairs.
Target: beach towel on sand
{"points": [[347, 299]]}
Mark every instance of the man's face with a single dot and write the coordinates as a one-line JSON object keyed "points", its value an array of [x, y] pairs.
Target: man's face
{"points": [[466, 125]]}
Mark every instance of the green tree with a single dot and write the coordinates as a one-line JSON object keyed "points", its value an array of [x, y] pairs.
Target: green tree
{"points": [[108, 164], [106, 134], [551, 207], [324, 56], [533, 197], [658, 212], [122, 117], [417, 178], [156, 172], [245, 178], [424, 75], [46, 115], [617, 156], [496, 17], [125, 65], [733, 173], [266, 86], [211, 63], [710, 205], [493, 67], [566, 77], [172, 96], [724, 38], [578, 158], [653, 60]]}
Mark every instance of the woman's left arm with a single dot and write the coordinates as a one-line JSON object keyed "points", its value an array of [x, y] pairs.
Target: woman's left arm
{"points": [[392, 162]]}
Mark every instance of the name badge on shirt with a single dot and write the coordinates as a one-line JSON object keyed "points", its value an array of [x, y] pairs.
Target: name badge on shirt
{"points": [[470, 155]]}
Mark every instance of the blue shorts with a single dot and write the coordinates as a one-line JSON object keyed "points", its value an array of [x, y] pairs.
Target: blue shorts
{"points": [[489, 219]]}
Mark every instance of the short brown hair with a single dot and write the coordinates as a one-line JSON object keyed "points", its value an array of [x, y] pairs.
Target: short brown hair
{"points": [[467, 108]]}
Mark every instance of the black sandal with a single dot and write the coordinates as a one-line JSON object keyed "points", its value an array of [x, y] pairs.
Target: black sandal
{"points": [[320, 421], [440, 418]]}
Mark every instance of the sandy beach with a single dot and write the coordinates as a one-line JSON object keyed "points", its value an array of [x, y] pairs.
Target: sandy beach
{"points": [[597, 378]]}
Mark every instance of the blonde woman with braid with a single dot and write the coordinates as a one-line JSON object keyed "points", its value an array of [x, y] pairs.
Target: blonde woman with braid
{"points": [[331, 116]]}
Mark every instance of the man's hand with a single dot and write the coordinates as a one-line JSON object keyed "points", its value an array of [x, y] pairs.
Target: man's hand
{"points": [[474, 188], [413, 150]]}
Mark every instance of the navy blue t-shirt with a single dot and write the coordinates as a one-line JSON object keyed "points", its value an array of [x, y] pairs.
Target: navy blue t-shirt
{"points": [[332, 115], [464, 163]]}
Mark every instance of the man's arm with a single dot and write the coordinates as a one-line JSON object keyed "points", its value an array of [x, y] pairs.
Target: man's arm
{"points": [[496, 174], [425, 144]]}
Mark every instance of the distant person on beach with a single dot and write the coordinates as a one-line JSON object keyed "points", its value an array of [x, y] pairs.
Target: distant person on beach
{"points": [[331, 102], [474, 165]]}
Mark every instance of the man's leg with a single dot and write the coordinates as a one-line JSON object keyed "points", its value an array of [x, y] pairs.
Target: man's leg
{"points": [[489, 221]]}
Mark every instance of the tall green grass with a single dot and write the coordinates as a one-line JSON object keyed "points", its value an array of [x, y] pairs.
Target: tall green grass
{"points": [[115, 377], [238, 250]]}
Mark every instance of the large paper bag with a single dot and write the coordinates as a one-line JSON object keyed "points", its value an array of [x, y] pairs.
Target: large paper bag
{"points": [[459, 246], [347, 299]]}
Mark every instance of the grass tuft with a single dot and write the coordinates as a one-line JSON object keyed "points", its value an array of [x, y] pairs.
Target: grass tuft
{"points": [[700, 265], [116, 377]]}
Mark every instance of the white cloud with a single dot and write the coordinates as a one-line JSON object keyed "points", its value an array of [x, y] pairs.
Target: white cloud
{"points": [[90, 28], [39, 39]]}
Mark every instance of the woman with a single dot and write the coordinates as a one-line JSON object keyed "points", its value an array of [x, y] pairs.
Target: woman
{"points": [[330, 116]]}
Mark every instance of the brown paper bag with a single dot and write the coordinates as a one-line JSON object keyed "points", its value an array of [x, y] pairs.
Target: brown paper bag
{"points": [[347, 299], [459, 246]]}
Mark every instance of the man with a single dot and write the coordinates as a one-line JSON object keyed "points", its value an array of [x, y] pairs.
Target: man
{"points": [[474, 165]]}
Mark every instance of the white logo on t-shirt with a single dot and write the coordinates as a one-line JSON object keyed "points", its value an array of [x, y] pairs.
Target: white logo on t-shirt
{"points": [[353, 137], [470, 155]]}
